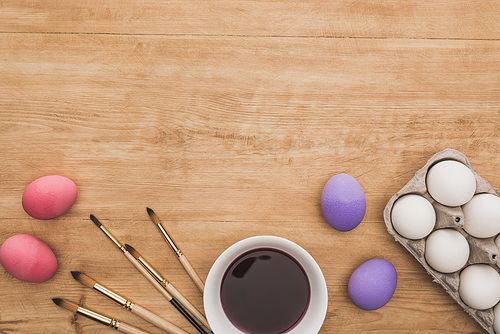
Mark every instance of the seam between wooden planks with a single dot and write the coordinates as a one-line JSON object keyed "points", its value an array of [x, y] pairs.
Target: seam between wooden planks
{"points": [[252, 36]]}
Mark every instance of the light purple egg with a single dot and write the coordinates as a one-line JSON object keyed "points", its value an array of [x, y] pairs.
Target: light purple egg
{"points": [[373, 284], [343, 202]]}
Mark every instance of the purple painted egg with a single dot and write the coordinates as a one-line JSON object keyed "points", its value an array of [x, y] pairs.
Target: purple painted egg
{"points": [[343, 202], [372, 284]]}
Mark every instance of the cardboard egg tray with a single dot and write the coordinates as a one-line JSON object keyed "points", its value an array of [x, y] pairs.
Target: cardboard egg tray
{"points": [[482, 251]]}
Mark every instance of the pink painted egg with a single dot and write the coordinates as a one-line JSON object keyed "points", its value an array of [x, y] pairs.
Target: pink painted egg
{"points": [[49, 197], [28, 258]]}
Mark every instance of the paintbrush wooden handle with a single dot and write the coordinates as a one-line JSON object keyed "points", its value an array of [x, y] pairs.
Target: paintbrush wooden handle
{"points": [[192, 273], [187, 305], [157, 285], [186, 315], [128, 329], [146, 274], [157, 320]]}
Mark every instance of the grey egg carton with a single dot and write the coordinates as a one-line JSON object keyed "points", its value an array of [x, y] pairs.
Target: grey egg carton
{"points": [[482, 251]]}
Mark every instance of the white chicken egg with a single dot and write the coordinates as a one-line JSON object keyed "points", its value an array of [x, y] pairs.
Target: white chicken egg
{"points": [[413, 216], [451, 183], [446, 250], [482, 216], [479, 286]]}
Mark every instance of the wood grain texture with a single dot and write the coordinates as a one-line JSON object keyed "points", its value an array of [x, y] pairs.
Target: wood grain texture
{"points": [[156, 320], [466, 19], [231, 134], [192, 273], [129, 329]]}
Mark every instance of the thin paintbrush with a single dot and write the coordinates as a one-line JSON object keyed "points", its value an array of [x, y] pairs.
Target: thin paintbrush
{"points": [[113, 323], [105, 230], [141, 269], [167, 286], [127, 304], [182, 258]]}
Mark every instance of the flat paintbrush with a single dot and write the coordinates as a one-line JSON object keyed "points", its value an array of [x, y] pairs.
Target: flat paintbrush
{"points": [[180, 256], [113, 323], [127, 304], [167, 286], [146, 273]]}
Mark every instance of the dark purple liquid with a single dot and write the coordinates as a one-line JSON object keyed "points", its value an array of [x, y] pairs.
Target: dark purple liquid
{"points": [[265, 291]]}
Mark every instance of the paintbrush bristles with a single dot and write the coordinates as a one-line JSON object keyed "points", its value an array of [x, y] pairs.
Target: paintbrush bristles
{"points": [[132, 251], [65, 304], [153, 216], [84, 279], [95, 220]]}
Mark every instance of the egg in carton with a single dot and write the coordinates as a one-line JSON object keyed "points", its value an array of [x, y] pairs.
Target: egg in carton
{"points": [[481, 250]]}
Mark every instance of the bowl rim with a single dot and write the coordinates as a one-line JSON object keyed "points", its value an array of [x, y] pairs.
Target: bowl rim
{"points": [[318, 303]]}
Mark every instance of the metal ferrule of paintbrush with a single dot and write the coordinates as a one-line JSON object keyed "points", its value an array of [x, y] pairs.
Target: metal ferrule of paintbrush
{"points": [[127, 304], [108, 234], [115, 241], [169, 240], [158, 277], [98, 317]]}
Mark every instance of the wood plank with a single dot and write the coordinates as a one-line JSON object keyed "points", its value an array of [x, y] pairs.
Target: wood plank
{"points": [[467, 19], [227, 138], [257, 126]]}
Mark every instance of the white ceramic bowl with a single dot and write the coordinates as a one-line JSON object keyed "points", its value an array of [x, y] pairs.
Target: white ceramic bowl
{"points": [[315, 315]]}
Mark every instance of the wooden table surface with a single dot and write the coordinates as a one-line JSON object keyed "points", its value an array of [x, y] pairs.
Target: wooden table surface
{"points": [[227, 118]]}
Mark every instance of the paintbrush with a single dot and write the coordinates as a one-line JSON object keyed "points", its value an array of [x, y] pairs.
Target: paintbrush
{"points": [[113, 323], [167, 286], [127, 304], [180, 256], [146, 274]]}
